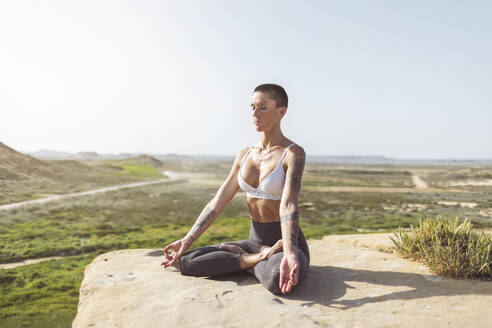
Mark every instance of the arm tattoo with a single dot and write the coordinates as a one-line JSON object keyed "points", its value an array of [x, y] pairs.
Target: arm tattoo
{"points": [[201, 224], [293, 218], [296, 176]]}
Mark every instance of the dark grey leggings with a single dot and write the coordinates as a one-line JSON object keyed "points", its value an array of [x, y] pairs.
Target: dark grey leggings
{"points": [[214, 261]]}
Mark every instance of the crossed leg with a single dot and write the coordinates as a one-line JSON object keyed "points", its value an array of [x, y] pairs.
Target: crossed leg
{"points": [[262, 262], [246, 260], [268, 272], [219, 259], [267, 269]]}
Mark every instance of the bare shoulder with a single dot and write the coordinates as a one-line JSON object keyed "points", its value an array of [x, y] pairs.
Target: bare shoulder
{"points": [[240, 156], [295, 158], [242, 152], [295, 154]]}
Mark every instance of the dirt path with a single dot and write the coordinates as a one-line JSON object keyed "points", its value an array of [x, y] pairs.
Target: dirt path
{"points": [[32, 261], [419, 183], [171, 175]]}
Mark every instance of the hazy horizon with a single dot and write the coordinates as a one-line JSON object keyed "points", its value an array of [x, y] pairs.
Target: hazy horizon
{"points": [[400, 80], [233, 155]]}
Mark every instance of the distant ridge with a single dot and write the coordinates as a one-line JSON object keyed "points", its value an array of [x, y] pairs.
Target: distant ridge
{"points": [[44, 153], [339, 159], [349, 159], [387, 160], [87, 155]]}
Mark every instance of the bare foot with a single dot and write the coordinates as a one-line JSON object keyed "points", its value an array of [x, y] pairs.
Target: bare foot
{"points": [[266, 252], [235, 249], [232, 248]]}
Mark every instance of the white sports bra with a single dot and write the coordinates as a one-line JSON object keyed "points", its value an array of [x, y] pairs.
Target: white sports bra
{"points": [[270, 187]]}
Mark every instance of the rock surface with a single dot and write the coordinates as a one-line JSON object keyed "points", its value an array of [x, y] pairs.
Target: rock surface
{"points": [[354, 281]]}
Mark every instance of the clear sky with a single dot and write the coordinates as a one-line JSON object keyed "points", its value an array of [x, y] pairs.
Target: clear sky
{"points": [[403, 79]]}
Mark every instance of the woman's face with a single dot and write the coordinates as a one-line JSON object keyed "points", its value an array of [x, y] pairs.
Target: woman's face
{"points": [[265, 112]]}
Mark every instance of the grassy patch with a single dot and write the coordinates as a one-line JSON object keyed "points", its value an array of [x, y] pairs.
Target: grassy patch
{"points": [[141, 171], [43, 294], [46, 294], [448, 247]]}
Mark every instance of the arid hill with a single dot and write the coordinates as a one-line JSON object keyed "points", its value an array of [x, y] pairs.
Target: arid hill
{"points": [[21, 167], [18, 166], [25, 177], [146, 159]]}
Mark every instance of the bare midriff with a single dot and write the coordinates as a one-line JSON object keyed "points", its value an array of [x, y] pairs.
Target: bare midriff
{"points": [[264, 210]]}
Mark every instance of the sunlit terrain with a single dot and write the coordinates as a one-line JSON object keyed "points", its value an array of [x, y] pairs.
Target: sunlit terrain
{"points": [[335, 199]]}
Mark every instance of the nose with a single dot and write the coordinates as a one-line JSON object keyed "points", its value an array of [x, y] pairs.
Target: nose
{"points": [[256, 112]]}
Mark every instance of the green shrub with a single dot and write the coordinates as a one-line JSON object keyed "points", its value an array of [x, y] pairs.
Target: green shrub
{"points": [[448, 247]]}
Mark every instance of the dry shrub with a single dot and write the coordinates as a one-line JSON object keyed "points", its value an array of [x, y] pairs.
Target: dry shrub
{"points": [[448, 247]]}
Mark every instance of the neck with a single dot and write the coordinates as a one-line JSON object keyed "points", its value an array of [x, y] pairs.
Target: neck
{"points": [[273, 137]]}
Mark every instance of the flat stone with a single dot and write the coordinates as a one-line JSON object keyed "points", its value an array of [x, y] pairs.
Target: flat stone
{"points": [[354, 281]]}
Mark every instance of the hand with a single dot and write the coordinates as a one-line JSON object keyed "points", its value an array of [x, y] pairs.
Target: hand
{"points": [[289, 272], [178, 248]]}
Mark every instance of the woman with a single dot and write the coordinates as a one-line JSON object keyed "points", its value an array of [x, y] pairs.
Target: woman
{"points": [[276, 251]]}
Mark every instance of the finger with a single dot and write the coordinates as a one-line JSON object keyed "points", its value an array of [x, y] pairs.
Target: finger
{"points": [[284, 279], [166, 251], [281, 279], [285, 282], [295, 274], [282, 288], [171, 255], [285, 290], [296, 278], [168, 263], [289, 286], [280, 282]]}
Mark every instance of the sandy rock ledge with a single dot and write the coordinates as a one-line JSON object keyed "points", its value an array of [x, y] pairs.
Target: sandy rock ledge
{"points": [[354, 281]]}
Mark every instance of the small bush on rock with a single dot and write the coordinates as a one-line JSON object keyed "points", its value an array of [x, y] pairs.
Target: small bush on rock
{"points": [[448, 247]]}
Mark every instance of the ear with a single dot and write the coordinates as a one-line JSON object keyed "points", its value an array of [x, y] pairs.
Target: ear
{"points": [[283, 110]]}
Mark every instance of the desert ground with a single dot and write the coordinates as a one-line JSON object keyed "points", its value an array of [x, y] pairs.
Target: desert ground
{"points": [[147, 203]]}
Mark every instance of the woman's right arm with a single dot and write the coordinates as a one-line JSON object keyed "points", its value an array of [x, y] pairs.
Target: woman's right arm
{"points": [[208, 215]]}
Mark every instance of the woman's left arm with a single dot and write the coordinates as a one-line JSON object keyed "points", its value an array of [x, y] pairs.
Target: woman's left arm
{"points": [[289, 218]]}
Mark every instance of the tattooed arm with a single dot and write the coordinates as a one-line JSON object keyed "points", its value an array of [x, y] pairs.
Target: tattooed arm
{"points": [[208, 215], [289, 218], [289, 205]]}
